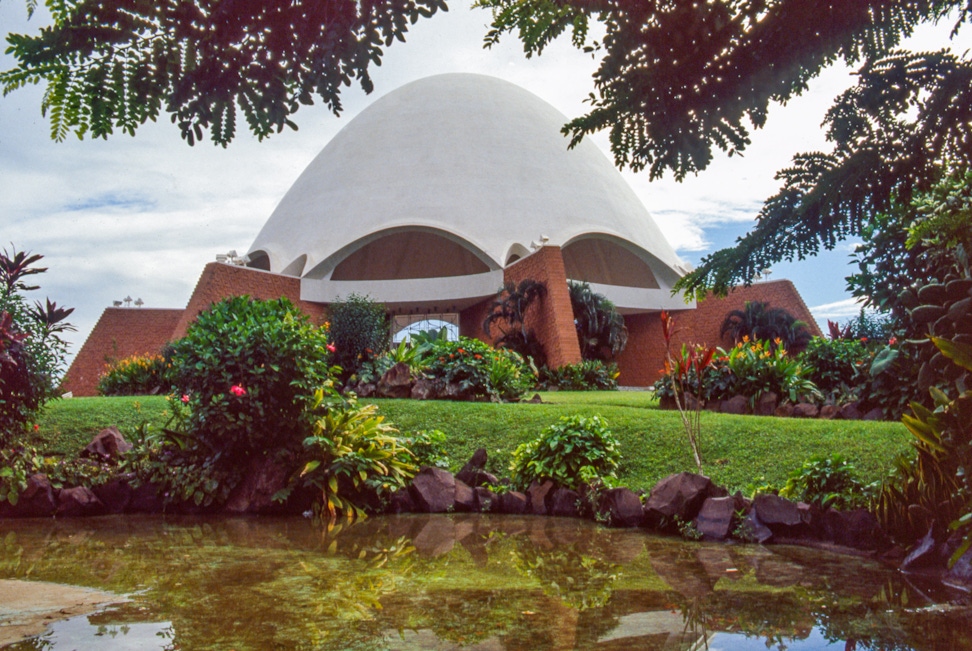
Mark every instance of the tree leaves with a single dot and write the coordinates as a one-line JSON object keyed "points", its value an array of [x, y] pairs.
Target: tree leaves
{"points": [[117, 65]]}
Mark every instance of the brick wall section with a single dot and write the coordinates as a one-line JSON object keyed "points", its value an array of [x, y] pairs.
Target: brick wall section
{"points": [[551, 317], [471, 321], [641, 362], [119, 333], [219, 281]]}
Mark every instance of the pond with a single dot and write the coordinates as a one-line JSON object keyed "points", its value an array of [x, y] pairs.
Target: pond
{"points": [[463, 582]]}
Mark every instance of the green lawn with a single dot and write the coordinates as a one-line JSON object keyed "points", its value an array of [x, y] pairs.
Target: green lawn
{"points": [[738, 450]]}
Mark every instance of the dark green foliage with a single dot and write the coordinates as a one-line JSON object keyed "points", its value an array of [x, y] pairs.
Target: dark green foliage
{"points": [[828, 482], [509, 314], [574, 451], [839, 367], [479, 372], [589, 375], [358, 330], [247, 371], [32, 353], [428, 446], [116, 65], [601, 332], [759, 322]]}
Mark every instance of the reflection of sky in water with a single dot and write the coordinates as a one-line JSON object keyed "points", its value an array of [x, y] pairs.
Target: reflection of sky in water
{"points": [[78, 633], [739, 642]]}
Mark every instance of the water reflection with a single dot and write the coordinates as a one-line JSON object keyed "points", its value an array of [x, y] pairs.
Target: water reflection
{"points": [[469, 582]]}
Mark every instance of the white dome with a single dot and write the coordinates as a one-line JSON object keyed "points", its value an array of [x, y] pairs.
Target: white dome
{"points": [[452, 177]]}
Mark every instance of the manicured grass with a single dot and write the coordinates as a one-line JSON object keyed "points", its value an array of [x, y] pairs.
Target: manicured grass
{"points": [[739, 451]]}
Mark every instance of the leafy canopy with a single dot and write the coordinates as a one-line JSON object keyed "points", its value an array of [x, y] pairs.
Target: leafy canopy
{"points": [[678, 80], [115, 65]]}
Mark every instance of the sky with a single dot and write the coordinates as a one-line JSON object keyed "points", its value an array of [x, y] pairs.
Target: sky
{"points": [[140, 216]]}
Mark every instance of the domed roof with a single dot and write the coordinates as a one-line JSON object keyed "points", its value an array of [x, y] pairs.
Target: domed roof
{"points": [[471, 164]]}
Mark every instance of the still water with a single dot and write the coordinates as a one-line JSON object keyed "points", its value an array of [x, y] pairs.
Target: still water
{"points": [[483, 583]]}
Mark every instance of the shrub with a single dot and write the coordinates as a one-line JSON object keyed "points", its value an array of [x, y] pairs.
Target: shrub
{"points": [[758, 368], [571, 452], [427, 447], [247, 371], [358, 330], [588, 375], [137, 375], [828, 482], [838, 366], [479, 371], [32, 353]]}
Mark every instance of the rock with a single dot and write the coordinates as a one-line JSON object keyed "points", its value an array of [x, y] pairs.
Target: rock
{"points": [[396, 382], [805, 410], [115, 494], [714, 406], [874, 414], [691, 403], [714, 520], [465, 500], [784, 411], [107, 445], [828, 412], [667, 402], [679, 495], [424, 389], [78, 501], [264, 477], [775, 510], [436, 538], [486, 500], [925, 554], [433, 490], [451, 391], [400, 502], [366, 389], [959, 575], [563, 502], [513, 503], [850, 411], [35, 501], [767, 403], [473, 467], [857, 528], [737, 405], [537, 496], [536, 399], [622, 507], [755, 529], [145, 499]]}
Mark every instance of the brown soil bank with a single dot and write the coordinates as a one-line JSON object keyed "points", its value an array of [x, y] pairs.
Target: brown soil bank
{"points": [[28, 607]]}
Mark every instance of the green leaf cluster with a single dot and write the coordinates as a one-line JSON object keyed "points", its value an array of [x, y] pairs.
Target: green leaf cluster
{"points": [[358, 330], [573, 451]]}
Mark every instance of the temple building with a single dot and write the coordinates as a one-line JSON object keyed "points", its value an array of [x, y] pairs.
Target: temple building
{"points": [[428, 201]]}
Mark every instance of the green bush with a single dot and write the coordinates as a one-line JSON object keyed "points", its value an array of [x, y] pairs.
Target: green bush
{"points": [[571, 452], [247, 372], [839, 367], [428, 447], [136, 376], [588, 375], [828, 482], [479, 371], [358, 330]]}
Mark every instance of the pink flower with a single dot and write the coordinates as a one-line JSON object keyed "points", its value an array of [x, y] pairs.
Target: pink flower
{"points": [[892, 341], [237, 390], [331, 348], [185, 398]]}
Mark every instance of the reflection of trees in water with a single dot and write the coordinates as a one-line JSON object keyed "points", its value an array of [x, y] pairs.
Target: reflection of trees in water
{"points": [[528, 583]]}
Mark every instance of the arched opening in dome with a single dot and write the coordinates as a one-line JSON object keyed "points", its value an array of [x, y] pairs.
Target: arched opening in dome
{"points": [[409, 254], [516, 252], [598, 259], [296, 267], [259, 260]]}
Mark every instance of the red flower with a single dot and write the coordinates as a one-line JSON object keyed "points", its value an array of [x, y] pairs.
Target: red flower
{"points": [[863, 340], [477, 356], [331, 348], [185, 398], [36, 427], [237, 390], [892, 341]]}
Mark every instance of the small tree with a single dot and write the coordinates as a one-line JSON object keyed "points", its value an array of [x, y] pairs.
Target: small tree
{"points": [[359, 331], [508, 314], [32, 352]]}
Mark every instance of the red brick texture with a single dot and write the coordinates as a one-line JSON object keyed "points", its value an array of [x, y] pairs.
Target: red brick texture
{"points": [[641, 362], [219, 281], [119, 333]]}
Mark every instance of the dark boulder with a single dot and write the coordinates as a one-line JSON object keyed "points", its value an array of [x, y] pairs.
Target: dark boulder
{"points": [[563, 502], [396, 382], [264, 477], [115, 494], [851, 411], [715, 518], [36, 501], [875, 413], [737, 405], [400, 502], [926, 554], [145, 499], [784, 411], [471, 470], [767, 403], [366, 389], [959, 575], [622, 507], [107, 445], [805, 410], [537, 496], [424, 389], [486, 500], [512, 503], [828, 412], [78, 502], [857, 528], [465, 500], [784, 518], [680, 495], [433, 490]]}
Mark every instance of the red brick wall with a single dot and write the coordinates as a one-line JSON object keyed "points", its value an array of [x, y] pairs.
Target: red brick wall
{"points": [[219, 281], [471, 321], [119, 333], [552, 316], [641, 362]]}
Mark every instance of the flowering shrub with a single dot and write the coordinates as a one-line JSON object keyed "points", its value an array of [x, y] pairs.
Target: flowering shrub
{"points": [[136, 375], [573, 451], [479, 371], [839, 367], [588, 375], [757, 368], [246, 374]]}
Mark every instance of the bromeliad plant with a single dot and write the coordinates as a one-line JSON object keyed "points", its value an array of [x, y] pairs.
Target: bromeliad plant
{"points": [[683, 371], [355, 458]]}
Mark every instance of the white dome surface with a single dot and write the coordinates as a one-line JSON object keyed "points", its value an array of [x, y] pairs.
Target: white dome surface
{"points": [[472, 159]]}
